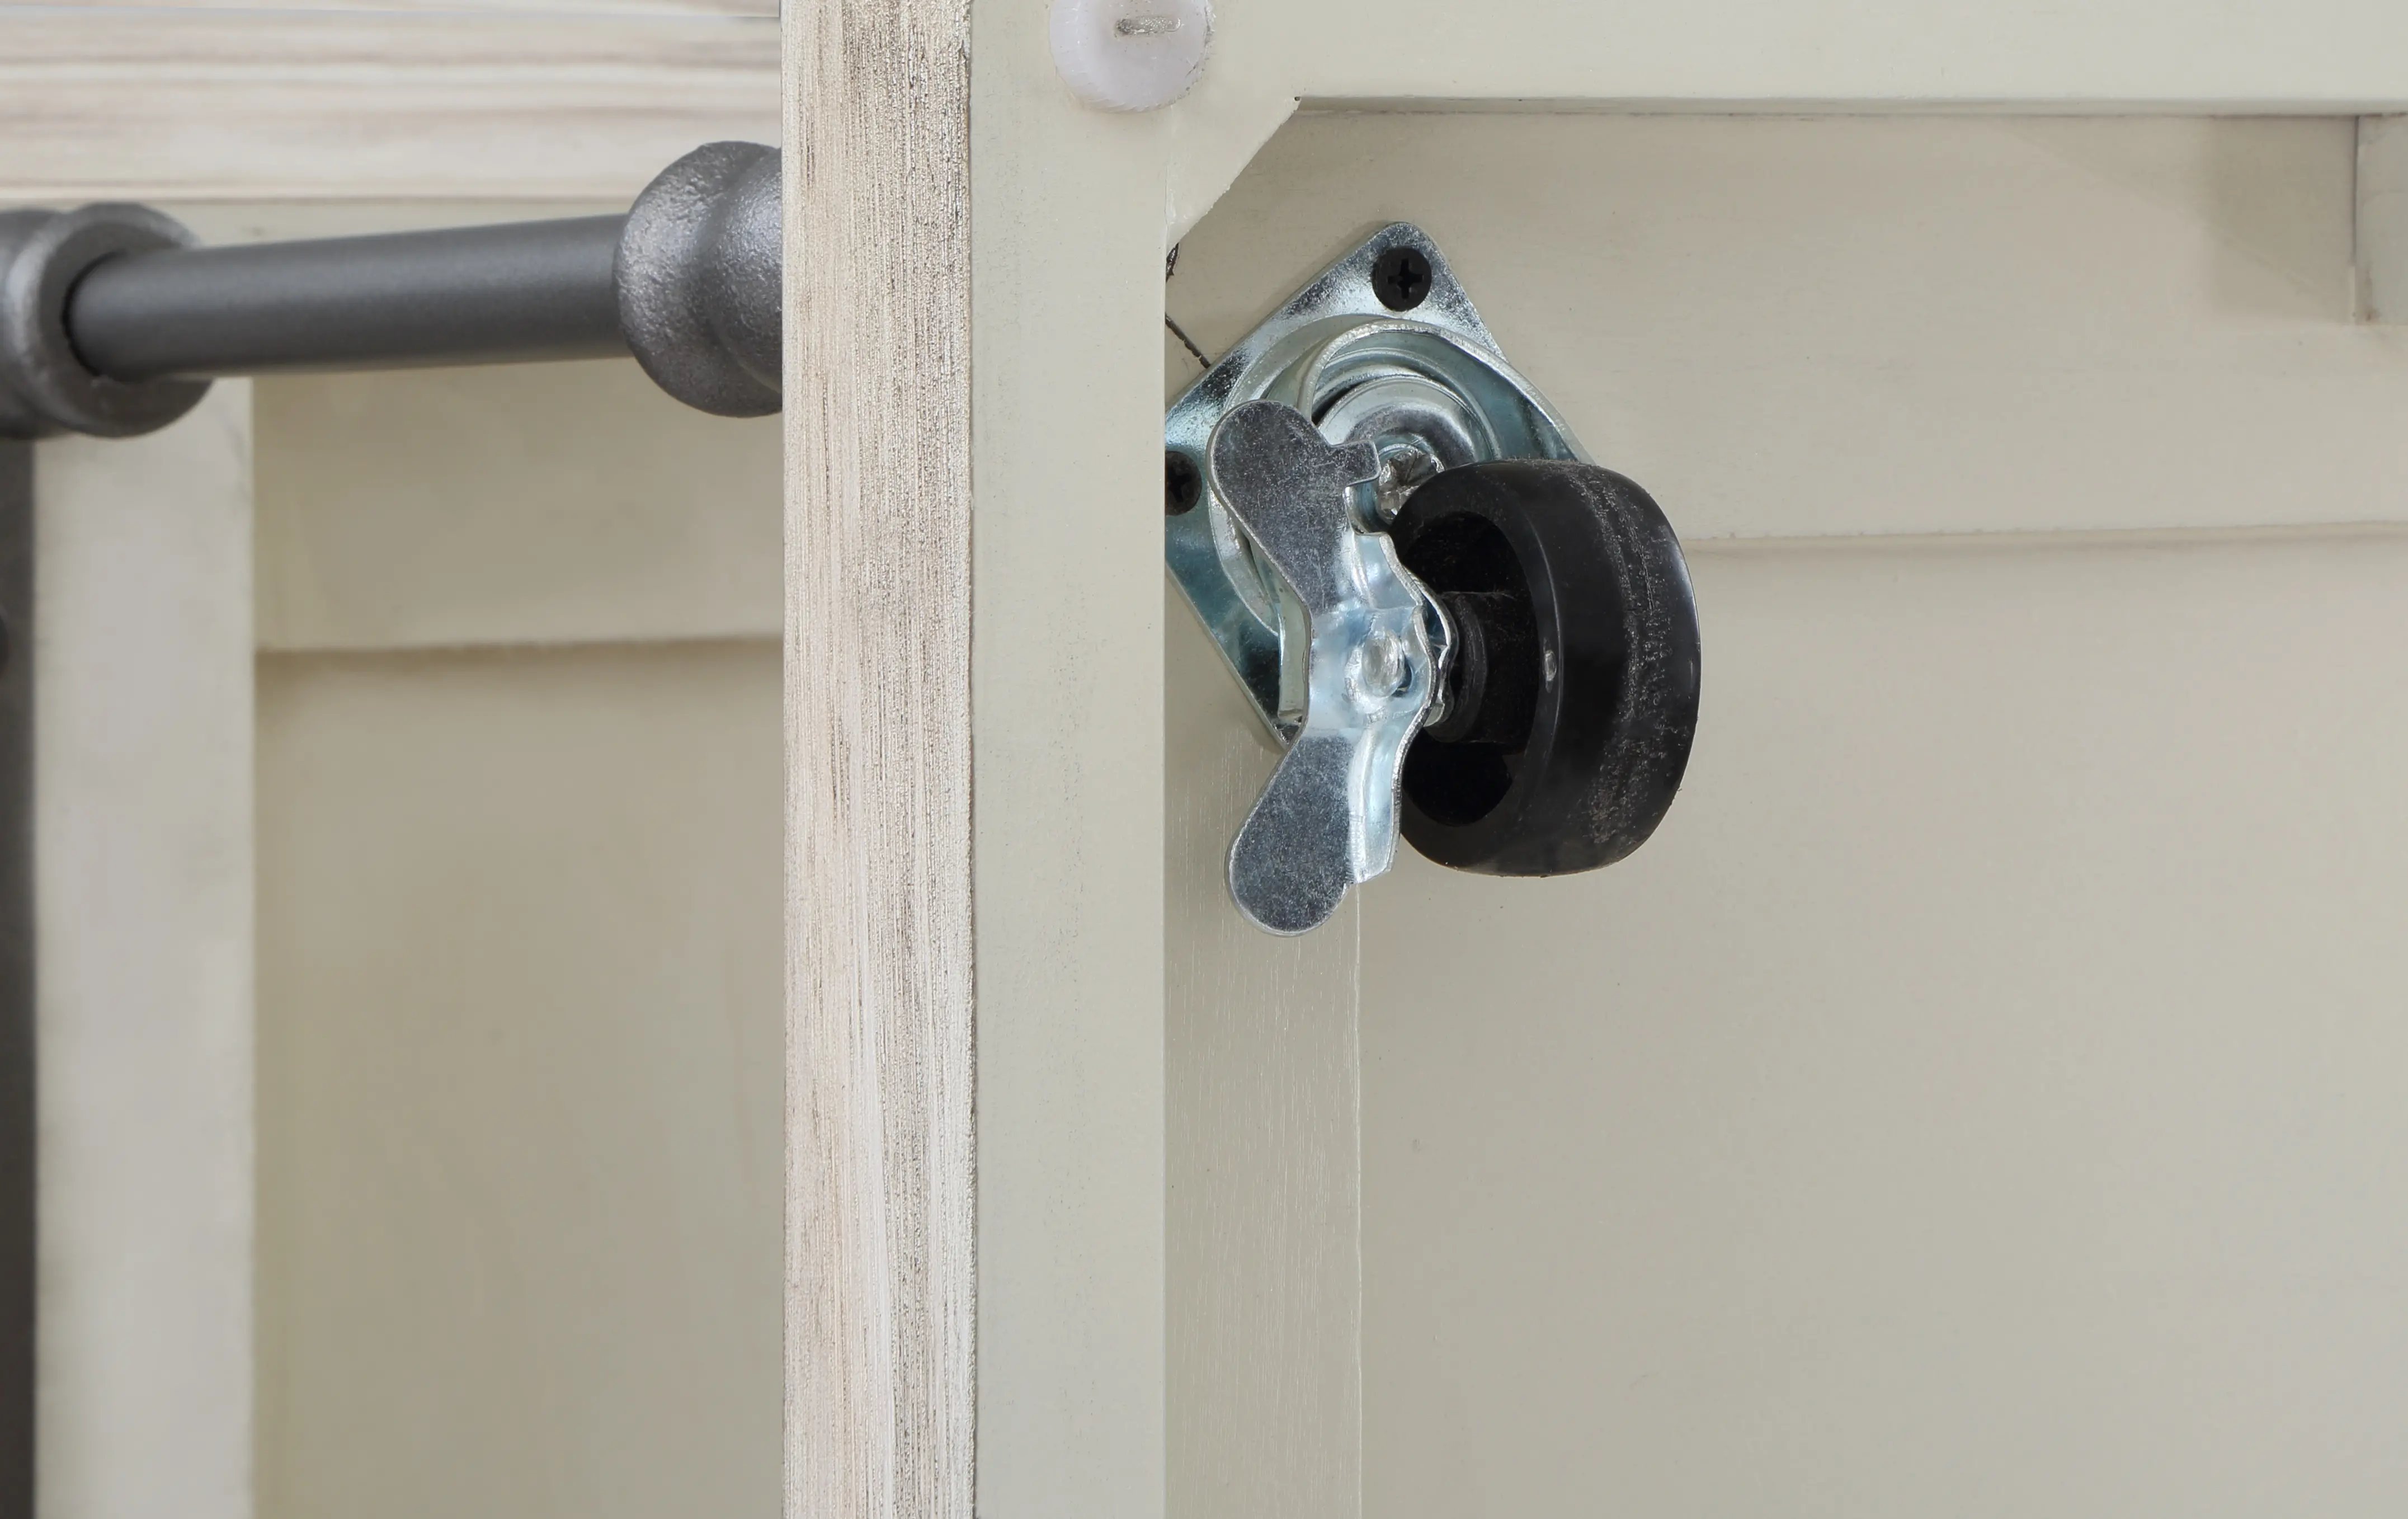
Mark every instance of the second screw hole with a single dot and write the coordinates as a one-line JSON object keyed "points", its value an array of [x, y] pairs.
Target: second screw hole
{"points": [[1182, 483]]}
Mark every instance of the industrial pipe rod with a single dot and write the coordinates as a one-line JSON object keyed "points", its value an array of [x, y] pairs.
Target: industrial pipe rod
{"points": [[526, 290], [113, 323]]}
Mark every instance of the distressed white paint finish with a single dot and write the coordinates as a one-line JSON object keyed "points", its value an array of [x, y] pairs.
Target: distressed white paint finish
{"points": [[1264, 1288], [1984, 1093], [143, 872], [98, 103], [879, 1249], [1067, 269], [2382, 217]]}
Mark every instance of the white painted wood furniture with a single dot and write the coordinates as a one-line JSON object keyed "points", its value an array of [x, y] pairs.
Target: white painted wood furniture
{"points": [[1985, 1082]]}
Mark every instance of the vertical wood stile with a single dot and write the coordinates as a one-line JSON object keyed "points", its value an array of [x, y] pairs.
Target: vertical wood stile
{"points": [[19, 1266], [880, 1204], [143, 827]]}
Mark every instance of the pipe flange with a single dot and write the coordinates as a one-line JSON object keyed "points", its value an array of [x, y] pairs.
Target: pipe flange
{"points": [[699, 279], [44, 389]]}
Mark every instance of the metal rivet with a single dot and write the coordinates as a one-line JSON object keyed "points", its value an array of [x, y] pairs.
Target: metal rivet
{"points": [[1401, 279], [1380, 669]]}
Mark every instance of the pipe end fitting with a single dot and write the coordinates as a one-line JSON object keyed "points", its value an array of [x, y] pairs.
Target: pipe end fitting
{"points": [[699, 279], [46, 388]]}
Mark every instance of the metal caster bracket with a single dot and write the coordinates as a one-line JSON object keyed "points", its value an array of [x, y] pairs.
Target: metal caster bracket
{"points": [[1285, 464]]}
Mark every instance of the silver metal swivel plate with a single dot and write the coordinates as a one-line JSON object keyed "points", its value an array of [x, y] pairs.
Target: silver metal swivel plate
{"points": [[1425, 386], [1302, 442]]}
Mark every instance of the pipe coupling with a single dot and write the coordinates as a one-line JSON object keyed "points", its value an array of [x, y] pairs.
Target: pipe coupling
{"points": [[45, 388], [699, 279]]}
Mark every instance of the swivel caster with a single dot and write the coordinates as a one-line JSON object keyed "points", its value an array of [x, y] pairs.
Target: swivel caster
{"points": [[1460, 629]]}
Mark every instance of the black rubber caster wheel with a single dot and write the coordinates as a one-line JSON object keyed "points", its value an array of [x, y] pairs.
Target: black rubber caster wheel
{"points": [[1572, 695]]}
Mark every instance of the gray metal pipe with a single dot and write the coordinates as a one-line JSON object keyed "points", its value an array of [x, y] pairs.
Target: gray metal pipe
{"points": [[112, 323], [520, 291]]}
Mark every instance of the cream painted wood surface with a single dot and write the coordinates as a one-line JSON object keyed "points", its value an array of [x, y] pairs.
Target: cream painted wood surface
{"points": [[1984, 1094], [523, 504], [1264, 1279], [534, 504], [2328, 56], [1788, 327], [880, 1251], [527, 98], [144, 1009], [2382, 217], [1868, 1133], [521, 1013], [133, 103], [520, 1035], [2336, 53], [1066, 714]]}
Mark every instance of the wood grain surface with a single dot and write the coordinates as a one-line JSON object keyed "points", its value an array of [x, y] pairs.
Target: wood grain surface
{"points": [[880, 1208], [205, 102]]}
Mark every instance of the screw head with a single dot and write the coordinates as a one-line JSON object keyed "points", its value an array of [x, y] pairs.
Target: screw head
{"points": [[1182, 483], [1401, 279], [1378, 670], [1131, 54]]}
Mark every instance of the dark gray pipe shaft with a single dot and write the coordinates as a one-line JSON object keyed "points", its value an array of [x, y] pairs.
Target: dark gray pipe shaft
{"points": [[112, 323], [524, 291]]}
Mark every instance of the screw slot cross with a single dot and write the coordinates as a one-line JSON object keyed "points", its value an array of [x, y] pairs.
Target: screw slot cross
{"points": [[1401, 279]]}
